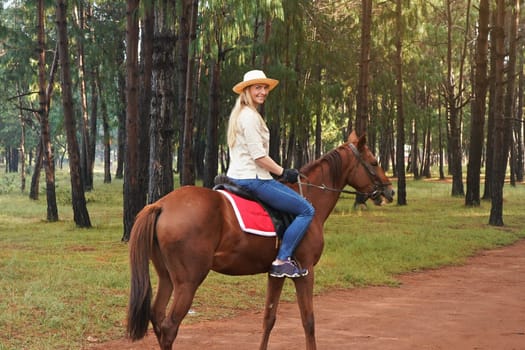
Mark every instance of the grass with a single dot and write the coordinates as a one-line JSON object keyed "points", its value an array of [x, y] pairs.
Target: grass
{"points": [[60, 285]]}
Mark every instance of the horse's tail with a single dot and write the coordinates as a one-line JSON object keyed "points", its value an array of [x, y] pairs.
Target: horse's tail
{"points": [[140, 247]]}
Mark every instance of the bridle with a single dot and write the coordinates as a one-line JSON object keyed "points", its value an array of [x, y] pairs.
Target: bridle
{"points": [[379, 187]]}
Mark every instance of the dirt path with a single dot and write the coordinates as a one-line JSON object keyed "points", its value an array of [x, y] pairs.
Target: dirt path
{"points": [[480, 305]]}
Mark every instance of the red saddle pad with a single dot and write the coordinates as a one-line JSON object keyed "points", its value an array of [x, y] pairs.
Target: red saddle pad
{"points": [[251, 215]]}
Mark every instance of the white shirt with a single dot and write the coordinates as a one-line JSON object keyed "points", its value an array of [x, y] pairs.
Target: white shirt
{"points": [[252, 142]]}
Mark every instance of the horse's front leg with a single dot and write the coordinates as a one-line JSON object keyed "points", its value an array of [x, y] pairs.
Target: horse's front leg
{"points": [[304, 288], [273, 294]]}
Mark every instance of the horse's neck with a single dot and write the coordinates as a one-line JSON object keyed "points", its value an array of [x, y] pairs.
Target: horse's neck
{"points": [[323, 200]]}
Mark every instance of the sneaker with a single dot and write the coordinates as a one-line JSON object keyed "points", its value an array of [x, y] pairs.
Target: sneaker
{"points": [[288, 269]]}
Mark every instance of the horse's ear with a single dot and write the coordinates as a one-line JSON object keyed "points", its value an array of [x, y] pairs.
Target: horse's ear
{"points": [[352, 138]]}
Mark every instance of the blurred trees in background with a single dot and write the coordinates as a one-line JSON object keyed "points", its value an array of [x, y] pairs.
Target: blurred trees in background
{"points": [[435, 85]]}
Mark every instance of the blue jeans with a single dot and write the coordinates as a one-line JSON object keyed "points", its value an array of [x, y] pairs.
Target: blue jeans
{"points": [[284, 199]]}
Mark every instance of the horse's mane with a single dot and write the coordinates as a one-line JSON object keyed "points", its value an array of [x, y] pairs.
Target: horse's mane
{"points": [[333, 158]]}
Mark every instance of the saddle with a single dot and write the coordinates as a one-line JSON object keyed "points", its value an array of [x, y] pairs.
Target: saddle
{"points": [[279, 219]]}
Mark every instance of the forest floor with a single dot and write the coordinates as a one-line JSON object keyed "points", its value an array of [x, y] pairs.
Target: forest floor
{"points": [[479, 305]]}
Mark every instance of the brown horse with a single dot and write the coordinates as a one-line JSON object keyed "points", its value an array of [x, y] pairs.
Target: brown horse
{"points": [[194, 230]]}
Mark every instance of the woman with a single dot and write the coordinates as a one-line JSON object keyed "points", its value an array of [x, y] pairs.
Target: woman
{"points": [[251, 168]]}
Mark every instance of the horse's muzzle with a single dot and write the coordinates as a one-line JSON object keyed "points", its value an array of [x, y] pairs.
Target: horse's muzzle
{"points": [[383, 196], [389, 194]]}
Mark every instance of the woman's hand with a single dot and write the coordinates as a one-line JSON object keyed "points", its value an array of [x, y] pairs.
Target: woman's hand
{"points": [[290, 175]]}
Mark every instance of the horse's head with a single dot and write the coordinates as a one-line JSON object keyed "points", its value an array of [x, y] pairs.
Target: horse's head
{"points": [[366, 176]]}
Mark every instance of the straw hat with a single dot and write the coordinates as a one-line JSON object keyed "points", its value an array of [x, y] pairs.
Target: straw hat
{"points": [[255, 77]]}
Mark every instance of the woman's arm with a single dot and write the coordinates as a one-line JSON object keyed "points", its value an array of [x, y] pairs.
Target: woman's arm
{"points": [[269, 164]]}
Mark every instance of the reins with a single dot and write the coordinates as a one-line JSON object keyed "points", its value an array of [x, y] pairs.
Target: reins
{"points": [[370, 171], [324, 187]]}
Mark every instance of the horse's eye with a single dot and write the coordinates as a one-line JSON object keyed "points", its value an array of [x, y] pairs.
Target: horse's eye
{"points": [[374, 163]]}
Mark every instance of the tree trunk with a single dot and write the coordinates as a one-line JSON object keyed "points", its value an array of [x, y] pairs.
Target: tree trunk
{"points": [[93, 118], [425, 169], [132, 195], [440, 142], [499, 161], [85, 166], [318, 115], [200, 118], [472, 197], [182, 66], [414, 150], [12, 159], [274, 121], [212, 137], [188, 172], [121, 138], [92, 135], [510, 110], [489, 166], [162, 104], [519, 122], [400, 119], [146, 61], [453, 115], [78, 199], [364, 63], [106, 132], [49, 161], [386, 143], [361, 119], [255, 38], [35, 178], [22, 145]]}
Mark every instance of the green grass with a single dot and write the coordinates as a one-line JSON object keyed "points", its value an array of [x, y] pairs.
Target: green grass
{"points": [[60, 285]]}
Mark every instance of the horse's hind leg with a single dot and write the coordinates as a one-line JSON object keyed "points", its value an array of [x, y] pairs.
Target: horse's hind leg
{"points": [[273, 294], [182, 300], [162, 297], [180, 282]]}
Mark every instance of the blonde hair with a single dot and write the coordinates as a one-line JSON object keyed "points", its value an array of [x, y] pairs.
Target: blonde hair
{"points": [[243, 100]]}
